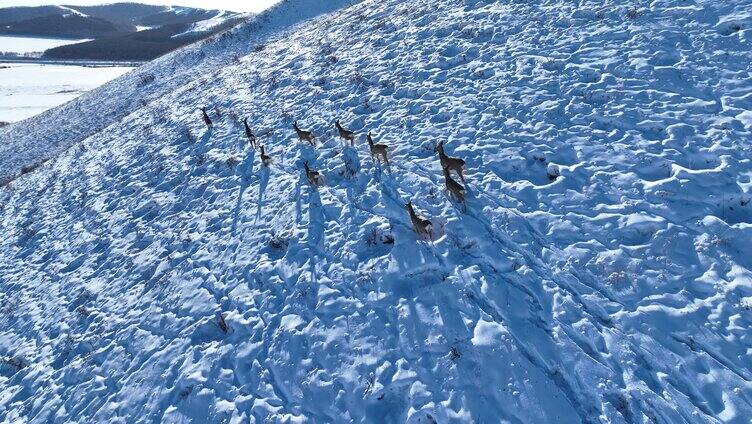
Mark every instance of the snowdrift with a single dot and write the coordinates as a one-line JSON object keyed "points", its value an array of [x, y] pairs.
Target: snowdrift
{"points": [[152, 270]]}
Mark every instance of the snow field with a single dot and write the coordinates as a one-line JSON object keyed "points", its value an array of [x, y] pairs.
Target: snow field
{"points": [[156, 271], [29, 89]]}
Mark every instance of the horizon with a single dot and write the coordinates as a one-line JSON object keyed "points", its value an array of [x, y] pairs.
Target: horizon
{"points": [[231, 5]]}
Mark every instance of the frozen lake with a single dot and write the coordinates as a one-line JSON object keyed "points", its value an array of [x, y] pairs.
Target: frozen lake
{"points": [[32, 44], [27, 89]]}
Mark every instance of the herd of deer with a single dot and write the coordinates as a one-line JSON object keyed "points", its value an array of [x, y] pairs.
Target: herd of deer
{"points": [[379, 152]]}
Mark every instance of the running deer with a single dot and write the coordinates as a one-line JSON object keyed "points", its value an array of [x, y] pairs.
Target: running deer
{"points": [[314, 178], [377, 149], [450, 163], [346, 134], [265, 159], [454, 188], [304, 135], [207, 120], [249, 134], [421, 226]]}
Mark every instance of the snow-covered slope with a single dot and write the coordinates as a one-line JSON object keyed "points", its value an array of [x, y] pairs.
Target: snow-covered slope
{"points": [[208, 25], [70, 11], [152, 270], [32, 142]]}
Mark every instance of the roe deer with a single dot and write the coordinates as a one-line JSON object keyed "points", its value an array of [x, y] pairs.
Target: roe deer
{"points": [[314, 178], [265, 159], [421, 226], [454, 188], [249, 134], [207, 120], [346, 134], [304, 135], [377, 149], [450, 163]]}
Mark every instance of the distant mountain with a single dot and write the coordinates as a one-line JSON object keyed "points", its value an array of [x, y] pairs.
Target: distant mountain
{"points": [[115, 28], [10, 15], [137, 46], [62, 26], [133, 15], [54, 21]]}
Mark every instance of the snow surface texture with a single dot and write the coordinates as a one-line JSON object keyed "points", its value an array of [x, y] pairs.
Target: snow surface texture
{"points": [[211, 24], [156, 271]]}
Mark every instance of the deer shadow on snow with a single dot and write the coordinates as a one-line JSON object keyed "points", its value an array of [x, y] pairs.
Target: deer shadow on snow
{"points": [[263, 183], [316, 221], [246, 171], [204, 140], [351, 158], [298, 206]]}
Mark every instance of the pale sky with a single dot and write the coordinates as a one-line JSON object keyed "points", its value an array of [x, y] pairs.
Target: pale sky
{"points": [[234, 5]]}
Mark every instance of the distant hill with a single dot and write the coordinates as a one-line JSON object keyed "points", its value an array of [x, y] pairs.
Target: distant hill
{"points": [[62, 26], [115, 28], [136, 46], [133, 15], [10, 15]]}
